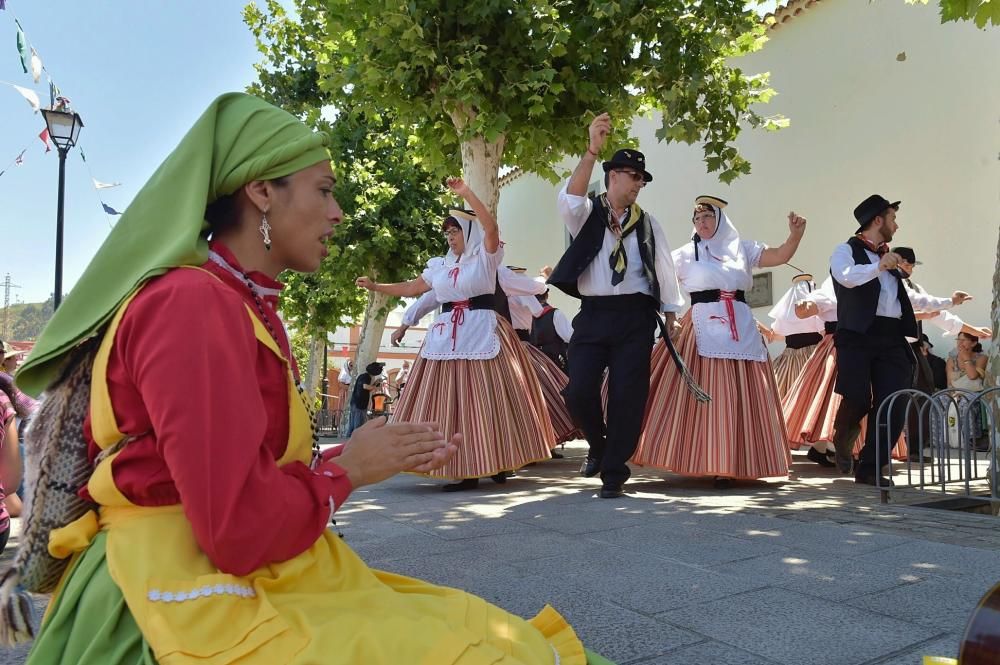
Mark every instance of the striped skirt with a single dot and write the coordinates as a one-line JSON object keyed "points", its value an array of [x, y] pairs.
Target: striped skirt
{"points": [[496, 405], [788, 365], [810, 406], [553, 380], [739, 434]]}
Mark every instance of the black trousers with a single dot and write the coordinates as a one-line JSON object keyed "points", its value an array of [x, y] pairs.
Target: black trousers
{"points": [[613, 333], [870, 367], [919, 427]]}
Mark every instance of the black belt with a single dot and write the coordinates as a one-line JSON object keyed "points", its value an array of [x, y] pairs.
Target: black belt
{"points": [[802, 340], [714, 295], [484, 301], [829, 327], [624, 303], [884, 326]]}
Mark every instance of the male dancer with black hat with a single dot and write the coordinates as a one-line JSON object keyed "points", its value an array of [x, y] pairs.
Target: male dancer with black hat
{"points": [[874, 318], [619, 265]]}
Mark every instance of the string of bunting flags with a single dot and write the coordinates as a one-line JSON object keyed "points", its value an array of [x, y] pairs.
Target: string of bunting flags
{"points": [[31, 64]]}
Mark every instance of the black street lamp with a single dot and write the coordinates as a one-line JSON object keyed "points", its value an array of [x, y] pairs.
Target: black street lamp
{"points": [[64, 129]]}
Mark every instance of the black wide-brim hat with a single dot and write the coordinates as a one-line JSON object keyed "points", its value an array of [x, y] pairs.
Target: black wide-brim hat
{"points": [[629, 159], [907, 254], [871, 207]]}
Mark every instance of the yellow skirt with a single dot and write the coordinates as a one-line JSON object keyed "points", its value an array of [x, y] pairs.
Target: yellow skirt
{"points": [[323, 606]]}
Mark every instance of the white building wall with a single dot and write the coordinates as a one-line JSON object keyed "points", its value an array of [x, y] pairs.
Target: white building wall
{"points": [[924, 129]]}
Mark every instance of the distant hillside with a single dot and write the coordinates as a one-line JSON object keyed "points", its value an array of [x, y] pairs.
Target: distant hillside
{"points": [[24, 321]]}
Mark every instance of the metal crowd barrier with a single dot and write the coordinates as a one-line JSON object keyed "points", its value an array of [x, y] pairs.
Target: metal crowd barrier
{"points": [[947, 424]]}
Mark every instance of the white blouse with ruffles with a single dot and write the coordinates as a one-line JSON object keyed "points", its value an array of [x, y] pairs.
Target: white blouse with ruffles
{"points": [[463, 333], [719, 331]]}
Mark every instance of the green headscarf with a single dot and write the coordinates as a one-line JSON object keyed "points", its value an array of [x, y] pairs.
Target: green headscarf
{"points": [[238, 139]]}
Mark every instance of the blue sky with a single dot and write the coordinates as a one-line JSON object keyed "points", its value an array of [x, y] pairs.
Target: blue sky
{"points": [[139, 74]]}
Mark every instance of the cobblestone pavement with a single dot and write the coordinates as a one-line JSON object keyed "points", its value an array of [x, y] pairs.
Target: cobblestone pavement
{"points": [[809, 570]]}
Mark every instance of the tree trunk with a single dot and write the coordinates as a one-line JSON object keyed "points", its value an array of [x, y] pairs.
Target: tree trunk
{"points": [[315, 368], [481, 169], [371, 331], [994, 364]]}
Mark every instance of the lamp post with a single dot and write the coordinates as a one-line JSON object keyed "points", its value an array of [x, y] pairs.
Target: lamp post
{"points": [[64, 129]]}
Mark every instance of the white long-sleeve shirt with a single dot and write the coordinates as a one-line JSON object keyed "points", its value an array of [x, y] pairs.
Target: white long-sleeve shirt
{"points": [[851, 274], [564, 328], [946, 321], [596, 278]]}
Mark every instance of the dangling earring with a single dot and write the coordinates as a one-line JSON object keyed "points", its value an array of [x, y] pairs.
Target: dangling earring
{"points": [[265, 230]]}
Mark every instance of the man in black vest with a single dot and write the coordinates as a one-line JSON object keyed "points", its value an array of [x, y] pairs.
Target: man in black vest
{"points": [[551, 332], [874, 318], [619, 265]]}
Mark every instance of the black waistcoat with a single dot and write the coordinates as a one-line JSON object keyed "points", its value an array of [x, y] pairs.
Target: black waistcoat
{"points": [[588, 242], [546, 338], [856, 307]]}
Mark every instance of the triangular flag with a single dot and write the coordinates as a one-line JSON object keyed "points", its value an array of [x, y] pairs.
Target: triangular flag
{"points": [[36, 65], [53, 93], [22, 49], [20, 158], [3, 5], [108, 209], [83, 156], [104, 185], [44, 136], [30, 96]]}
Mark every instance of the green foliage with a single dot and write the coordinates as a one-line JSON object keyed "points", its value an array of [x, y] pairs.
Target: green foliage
{"points": [[390, 200], [26, 320], [979, 11], [533, 74]]}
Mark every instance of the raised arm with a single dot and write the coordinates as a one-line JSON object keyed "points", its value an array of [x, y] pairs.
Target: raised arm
{"points": [[491, 232], [600, 128], [410, 289], [776, 256]]}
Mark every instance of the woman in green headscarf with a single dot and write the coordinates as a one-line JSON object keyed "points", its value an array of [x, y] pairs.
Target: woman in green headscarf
{"points": [[209, 540]]}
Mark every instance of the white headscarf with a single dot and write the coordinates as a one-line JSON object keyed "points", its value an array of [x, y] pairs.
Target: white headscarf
{"points": [[472, 230], [725, 242], [783, 312]]}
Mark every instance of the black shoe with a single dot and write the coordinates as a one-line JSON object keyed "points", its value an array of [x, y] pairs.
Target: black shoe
{"points": [[863, 477], [920, 459], [556, 455], [501, 478], [816, 456], [591, 467], [467, 484], [721, 483], [612, 492]]}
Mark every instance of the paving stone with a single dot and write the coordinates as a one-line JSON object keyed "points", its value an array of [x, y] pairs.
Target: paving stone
{"points": [[686, 543], [707, 653], [946, 647], [796, 629], [815, 575], [941, 559], [639, 581], [946, 604]]}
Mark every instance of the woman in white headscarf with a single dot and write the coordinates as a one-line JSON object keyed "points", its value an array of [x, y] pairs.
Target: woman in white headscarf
{"points": [[740, 434], [471, 373], [801, 335]]}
